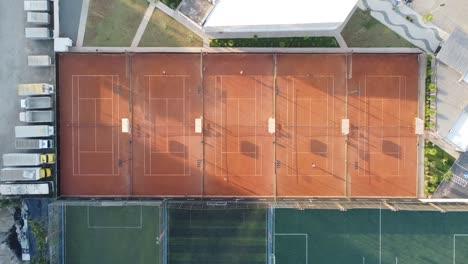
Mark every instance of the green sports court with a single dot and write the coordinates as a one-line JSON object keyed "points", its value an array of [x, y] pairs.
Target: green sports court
{"points": [[370, 236], [221, 236], [111, 234], [199, 232]]}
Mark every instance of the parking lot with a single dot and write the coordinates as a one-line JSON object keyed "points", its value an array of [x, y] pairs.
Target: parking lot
{"points": [[15, 70]]}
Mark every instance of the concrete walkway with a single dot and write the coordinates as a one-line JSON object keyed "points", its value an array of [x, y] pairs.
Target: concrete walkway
{"points": [[424, 36], [448, 14], [143, 24], [82, 27]]}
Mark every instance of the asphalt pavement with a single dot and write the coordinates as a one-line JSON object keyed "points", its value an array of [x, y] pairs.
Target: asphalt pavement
{"points": [[14, 50]]}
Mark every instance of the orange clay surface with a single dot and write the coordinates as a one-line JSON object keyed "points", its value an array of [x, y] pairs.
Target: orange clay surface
{"points": [[235, 95]]}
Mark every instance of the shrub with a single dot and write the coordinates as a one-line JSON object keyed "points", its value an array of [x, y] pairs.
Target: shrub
{"points": [[431, 112], [432, 87], [430, 151], [430, 72], [437, 167], [428, 18], [276, 42], [447, 176]]}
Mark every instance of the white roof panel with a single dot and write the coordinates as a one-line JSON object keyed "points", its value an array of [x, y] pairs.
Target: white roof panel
{"points": [[459, 133], [243, 13]]}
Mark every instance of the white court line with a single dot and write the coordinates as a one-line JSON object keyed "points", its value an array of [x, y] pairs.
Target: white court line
{"points": [[306, 241], [94, 98], [400, 79], [166, 75], [93, 75], [167, 122], [116, 227], [183, 122], [215, 119], [219, 84], [95, 125], [166, 100], [95, 151], [97, 174], [292, 80], [238, 152], [79, 145], [73, 130], [333, 114], [79, 151], [328, 120]]}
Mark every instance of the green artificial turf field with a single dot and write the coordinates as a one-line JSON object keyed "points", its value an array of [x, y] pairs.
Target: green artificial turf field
{"points": [[112, 234], [370, 236], [222, 236]]}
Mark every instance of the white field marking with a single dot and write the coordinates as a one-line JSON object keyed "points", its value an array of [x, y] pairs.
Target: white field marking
{"points": [[454, 245], [306, 241], [117, 227]]}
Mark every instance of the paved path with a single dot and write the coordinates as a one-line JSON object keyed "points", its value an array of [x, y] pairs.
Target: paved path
{"points": [[82, 27], [340, 41], [143, 24], [448, 14], [424, 36]]}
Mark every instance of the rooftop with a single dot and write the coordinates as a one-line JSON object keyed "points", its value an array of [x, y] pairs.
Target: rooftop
{"points": [[277, 15]]}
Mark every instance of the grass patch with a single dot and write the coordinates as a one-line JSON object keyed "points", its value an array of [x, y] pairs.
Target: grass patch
{"points": [[363, 30], [164, 31], [437, 164], [113, 23], [292, 42], [219, 236], [172, 3]]}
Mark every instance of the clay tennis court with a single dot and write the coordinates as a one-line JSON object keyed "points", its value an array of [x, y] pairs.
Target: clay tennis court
{"points": [[310, 104], [382, 142], [198, 125]]}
